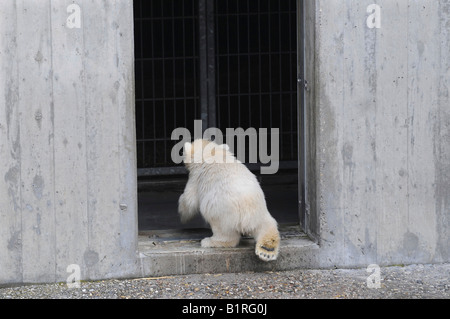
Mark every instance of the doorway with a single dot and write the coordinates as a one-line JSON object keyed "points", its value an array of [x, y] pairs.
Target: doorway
{"points": [[230, 63]]}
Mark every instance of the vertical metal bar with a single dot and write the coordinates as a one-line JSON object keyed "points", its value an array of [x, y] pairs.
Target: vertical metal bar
{"points": [[203, 53], [163, 75], [259, 64], [153, 84], [238, 57], [217, 78], [248, 68], [141, 63], [280, 55], [211, 63], [194, 47], [270, 70], [291, 77], [184, 67], [301, 118], [291, 149], [174, 86], [228, 66]]}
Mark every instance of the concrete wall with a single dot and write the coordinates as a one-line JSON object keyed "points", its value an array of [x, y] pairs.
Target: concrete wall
{"points": [[67, 150], [379, 131]]}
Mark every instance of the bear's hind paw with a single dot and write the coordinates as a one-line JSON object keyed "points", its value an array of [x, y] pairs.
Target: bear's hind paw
{"points": [[266, 253], [210, 242]]}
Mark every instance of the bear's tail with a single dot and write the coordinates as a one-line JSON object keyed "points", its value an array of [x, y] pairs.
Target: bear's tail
{"points": [[268, 243]]}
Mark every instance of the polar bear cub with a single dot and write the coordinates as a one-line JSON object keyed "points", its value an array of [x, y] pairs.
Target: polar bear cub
{"points": [[229, 198]]}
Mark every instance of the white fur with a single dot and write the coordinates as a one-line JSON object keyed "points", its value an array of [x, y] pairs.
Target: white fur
{"points": [[229, 198]]}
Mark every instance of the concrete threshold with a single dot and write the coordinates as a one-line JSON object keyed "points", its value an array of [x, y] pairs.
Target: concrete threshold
{"points": [[178, 252]]}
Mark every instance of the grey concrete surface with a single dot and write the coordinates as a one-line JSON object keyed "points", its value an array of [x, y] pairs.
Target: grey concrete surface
{"points": [[179, 252], [378, 132], [67, 145], [396, 282]]}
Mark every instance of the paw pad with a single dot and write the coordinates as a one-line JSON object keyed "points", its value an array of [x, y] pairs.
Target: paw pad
{"points": [[266, 253]]}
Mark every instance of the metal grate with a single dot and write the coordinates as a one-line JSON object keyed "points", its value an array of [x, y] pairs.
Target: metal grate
{"points": [[256, 68], [167, 82], [232, 63]]}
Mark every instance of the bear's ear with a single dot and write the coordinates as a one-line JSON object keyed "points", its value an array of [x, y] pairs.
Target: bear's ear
{"points": [[225, 147], [187, 148]]}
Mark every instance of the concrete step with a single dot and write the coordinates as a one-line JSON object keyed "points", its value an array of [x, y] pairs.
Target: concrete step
{"points": [[178, 252]]}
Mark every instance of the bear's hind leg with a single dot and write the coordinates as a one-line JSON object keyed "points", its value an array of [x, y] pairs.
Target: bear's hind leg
{"points": [[221, 238]]}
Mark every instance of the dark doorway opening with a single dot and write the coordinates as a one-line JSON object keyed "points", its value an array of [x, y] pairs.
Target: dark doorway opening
{"points": [[230, 63]]}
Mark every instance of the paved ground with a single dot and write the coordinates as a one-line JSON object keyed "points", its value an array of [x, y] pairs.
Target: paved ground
{"points": [[405, 282]]}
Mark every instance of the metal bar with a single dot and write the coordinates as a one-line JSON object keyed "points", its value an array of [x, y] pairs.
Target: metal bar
{"points": [[270, 72], [280, 79], [238, 67], [292, 81], [174, 86], [153, 87], [253, 94], [194, 47], [162, 18], [161, 98], [245, 13], [181, 170], [156, 139], [240, 54], [142, 83], [203, 51], [249, 68], [217, 61], [228, 67], [155, 171], [211, 73], [163, 81], [184, 67], [259, 64], [291, 142]]}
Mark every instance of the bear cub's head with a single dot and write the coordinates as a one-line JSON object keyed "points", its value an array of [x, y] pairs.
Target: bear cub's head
{"points": [[204, 151]]}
